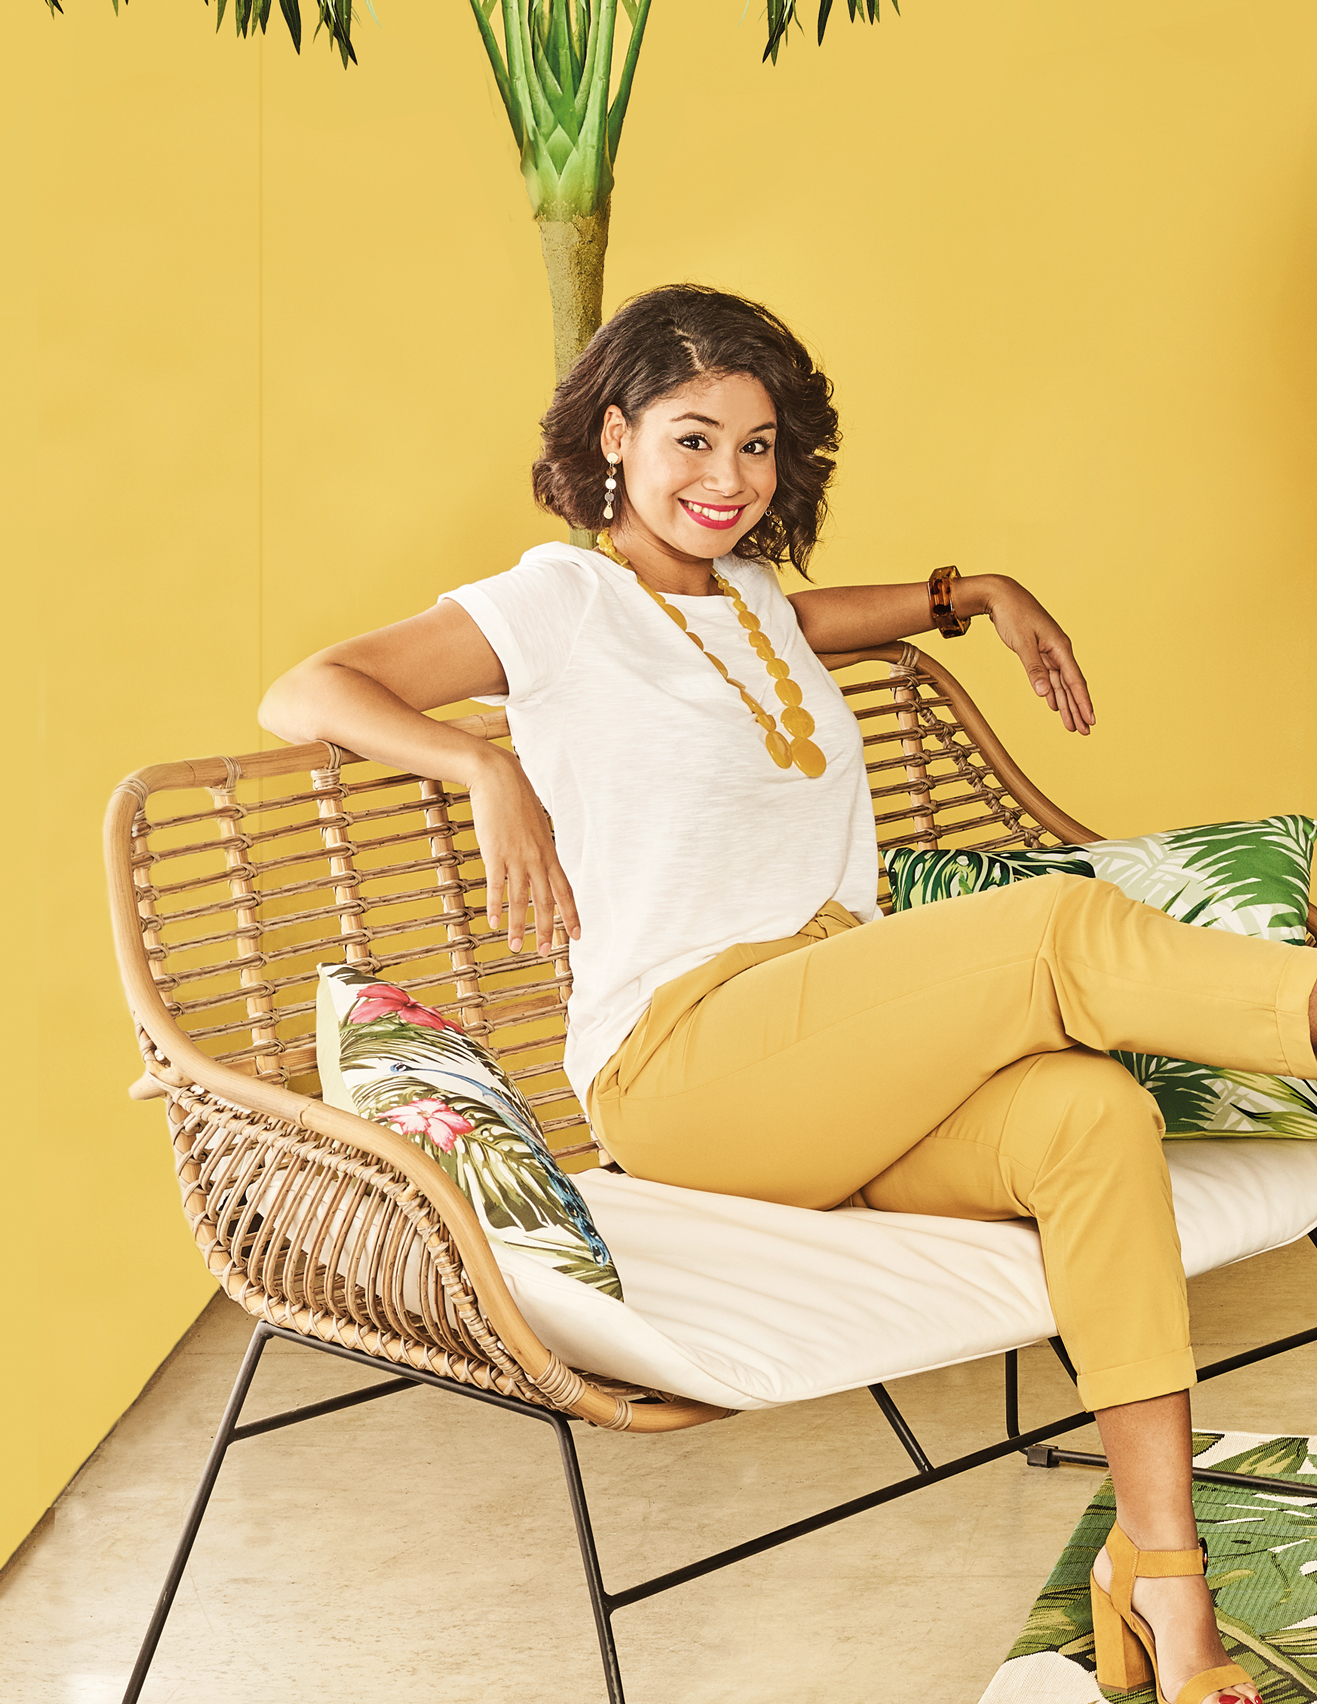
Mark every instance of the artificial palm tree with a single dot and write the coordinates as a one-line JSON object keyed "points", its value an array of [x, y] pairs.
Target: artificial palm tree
{"points": [[553, 63], [554, 70]]}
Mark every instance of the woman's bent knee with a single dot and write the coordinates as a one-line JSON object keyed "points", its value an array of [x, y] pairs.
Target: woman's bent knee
{"points": [[1080, 1106], [1080, 1080]]}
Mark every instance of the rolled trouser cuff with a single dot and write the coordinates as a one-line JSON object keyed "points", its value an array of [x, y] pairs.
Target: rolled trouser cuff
{"points": [[1138, 1381]]}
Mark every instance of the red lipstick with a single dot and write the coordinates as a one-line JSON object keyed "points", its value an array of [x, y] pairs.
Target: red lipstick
{"points": [[732, 515]]}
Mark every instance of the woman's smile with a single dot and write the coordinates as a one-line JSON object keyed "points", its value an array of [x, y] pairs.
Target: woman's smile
{"points": [[719, 516]]}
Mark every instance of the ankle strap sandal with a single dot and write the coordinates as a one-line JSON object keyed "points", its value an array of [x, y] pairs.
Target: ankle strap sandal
{"points": [[1123, 1641]]}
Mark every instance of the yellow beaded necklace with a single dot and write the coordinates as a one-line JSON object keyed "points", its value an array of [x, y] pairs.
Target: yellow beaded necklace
{"points": [[797, 721]]}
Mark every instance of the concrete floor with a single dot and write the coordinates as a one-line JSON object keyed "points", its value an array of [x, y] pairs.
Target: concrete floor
{"points": [[421, 1549]]}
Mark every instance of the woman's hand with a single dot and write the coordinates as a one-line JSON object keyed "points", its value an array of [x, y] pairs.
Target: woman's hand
{"points": [[836, 620], [512, 832], [1043, 648]]}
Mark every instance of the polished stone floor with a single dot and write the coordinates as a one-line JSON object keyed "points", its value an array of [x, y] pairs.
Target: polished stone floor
{"points": [[419, 1550]]}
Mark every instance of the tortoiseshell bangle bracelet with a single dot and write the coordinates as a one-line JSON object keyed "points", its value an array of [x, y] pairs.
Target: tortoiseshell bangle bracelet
{"points": [[945, 619]]}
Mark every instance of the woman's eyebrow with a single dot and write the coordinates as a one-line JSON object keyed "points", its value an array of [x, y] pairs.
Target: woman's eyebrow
{"points": [[704, 420]]}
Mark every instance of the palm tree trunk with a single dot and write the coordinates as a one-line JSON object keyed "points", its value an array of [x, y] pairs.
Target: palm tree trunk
{"points": [[574, 250]]}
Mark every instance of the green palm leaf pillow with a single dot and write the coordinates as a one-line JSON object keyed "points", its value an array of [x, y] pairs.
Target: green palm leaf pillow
{"points": [[1251, 877], [402, 1064]]}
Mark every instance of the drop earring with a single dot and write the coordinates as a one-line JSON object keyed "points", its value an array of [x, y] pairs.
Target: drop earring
{"points": [[610, 486]]}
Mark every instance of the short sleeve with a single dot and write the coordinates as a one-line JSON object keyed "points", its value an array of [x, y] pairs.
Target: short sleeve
{"points": [[531, 616]]}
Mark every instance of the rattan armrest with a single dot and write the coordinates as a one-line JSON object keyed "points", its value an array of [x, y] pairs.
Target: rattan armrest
{"points": [[399, 1195]]}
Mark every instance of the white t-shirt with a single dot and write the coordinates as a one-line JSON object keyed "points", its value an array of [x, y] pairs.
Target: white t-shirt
{"points": [[679, 834]]}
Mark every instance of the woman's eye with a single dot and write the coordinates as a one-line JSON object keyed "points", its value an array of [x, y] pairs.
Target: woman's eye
{"points": [[758, 446], [692, 441]]}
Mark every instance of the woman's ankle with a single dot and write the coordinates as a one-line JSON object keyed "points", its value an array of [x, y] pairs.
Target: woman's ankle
{"points": [[1160, 1530]]}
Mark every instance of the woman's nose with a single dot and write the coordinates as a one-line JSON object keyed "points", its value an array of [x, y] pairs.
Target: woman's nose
{"points": [[723, 476]]}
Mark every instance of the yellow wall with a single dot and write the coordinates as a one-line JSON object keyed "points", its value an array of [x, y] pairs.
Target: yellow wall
{"points": [[280, 340]]}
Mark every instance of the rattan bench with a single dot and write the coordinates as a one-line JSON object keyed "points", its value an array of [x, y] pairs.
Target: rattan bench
{"points": [[231, 879]]}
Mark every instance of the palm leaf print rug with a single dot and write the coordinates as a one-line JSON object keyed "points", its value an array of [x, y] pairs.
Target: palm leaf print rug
{"points": [[1262, 1569]]}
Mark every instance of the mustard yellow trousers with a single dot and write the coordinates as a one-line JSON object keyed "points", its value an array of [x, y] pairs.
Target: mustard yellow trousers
{"points": [[953, 1060]]}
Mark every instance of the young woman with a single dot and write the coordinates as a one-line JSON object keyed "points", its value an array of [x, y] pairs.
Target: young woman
{"points": [[743, 1020]]}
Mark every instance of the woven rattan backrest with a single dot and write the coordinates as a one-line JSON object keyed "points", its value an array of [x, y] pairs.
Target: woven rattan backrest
{"points": [[250, 872]]}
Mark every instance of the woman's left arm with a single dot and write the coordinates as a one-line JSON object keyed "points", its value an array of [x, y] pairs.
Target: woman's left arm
{"points": [[853, 618]]}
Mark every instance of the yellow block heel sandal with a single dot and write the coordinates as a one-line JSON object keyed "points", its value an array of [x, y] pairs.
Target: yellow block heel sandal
{"points": [[1126, 1653]]}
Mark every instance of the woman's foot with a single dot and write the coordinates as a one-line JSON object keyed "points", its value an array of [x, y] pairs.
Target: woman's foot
{"points": [[1180, 1613]]}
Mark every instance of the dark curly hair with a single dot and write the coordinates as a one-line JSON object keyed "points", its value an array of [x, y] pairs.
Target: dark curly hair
{"points": [[654, 345]]}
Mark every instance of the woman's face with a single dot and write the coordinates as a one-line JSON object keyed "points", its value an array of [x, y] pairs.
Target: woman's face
{"points": [[697, 466]]}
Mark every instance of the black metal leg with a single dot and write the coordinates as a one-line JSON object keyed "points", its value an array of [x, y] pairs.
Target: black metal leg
{"points": [[214, 1461], [1059, 1350], [897, 1421], [1012, 1360], [600, 1600]]}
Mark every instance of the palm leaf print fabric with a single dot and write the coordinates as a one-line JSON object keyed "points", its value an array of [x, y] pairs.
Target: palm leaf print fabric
{"points": [[388, 1058], [1261, 1569], [1250, 877]]}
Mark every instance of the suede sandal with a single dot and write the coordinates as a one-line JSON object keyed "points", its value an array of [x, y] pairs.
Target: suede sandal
{"points": [[1126, 1652]]}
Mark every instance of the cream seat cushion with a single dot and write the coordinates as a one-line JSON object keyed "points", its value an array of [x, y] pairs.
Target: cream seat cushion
{"points": [[747, 1304]]}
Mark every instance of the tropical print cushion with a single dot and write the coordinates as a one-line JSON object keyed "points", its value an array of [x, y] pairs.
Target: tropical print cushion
{"points": [[402, 1064], [1251, 877]]}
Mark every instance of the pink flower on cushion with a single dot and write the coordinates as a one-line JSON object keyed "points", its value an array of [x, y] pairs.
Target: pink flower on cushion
{"points": [[432, 1118], [385, 1000]]}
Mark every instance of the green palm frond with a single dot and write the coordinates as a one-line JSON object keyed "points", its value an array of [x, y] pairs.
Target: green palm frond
{"points": [[554, 68], [1273, 1458], [403, 1044], [1288, 1094], [362, 1047], [1298, 1642], [1251, 878], [1187, 1094], [1259, 1547], [920, 876], [1195, 1098], [1059, 1620], [1269, 1106], [1238, 1631], [1049, 861], [1253, 862], [334, 16], [783, 13]]}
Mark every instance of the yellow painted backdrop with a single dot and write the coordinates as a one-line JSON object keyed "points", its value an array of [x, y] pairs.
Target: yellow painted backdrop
{"points": [[279, 339]]}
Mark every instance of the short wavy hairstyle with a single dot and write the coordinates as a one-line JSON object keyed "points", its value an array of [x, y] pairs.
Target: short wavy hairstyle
{"points": [[656, 344]]}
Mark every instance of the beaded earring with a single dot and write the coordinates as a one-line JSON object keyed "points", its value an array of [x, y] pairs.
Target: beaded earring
{"points": [[610, 486]]}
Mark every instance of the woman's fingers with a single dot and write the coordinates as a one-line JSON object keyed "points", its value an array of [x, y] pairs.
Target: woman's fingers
{"points": [[542, 899], [1057, 697], [552, 895], [1071, 711], [519, 890], [1080, 695], [565, 900], [1036, 667], [495, 881], [542, 885], [1062, 661]]}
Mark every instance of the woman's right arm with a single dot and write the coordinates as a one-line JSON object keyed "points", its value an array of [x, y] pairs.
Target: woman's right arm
{"points": [[369, 695]]}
